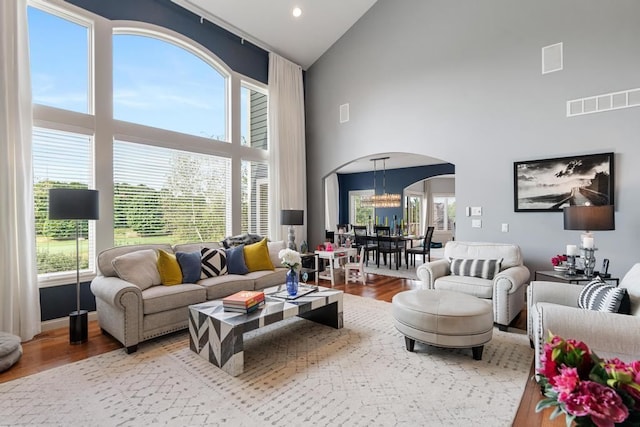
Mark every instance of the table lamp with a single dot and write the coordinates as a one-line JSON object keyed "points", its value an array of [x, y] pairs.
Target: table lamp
{"points": [[589, 218], [77, 204], [292, 218]]}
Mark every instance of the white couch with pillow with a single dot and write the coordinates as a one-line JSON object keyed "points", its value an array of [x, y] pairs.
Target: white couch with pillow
{"points": [[555, 307], [493, 271], [140, 291]]}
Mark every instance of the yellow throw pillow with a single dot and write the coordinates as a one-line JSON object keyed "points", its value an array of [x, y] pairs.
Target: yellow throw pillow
{"points": [[256, 256], [169, 268]]}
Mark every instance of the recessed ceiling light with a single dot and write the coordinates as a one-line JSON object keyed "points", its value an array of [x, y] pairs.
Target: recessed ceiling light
{"points": [[297, 12]]}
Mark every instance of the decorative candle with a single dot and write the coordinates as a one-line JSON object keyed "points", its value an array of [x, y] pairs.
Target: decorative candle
{"points": [[588, 243], [572, 250]]}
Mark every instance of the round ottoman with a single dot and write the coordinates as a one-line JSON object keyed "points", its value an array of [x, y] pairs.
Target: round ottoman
{"points": [[10, 350], [443, 319]]}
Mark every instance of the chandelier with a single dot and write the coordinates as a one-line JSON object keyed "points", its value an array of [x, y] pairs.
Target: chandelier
{"points": [[384, 200]]}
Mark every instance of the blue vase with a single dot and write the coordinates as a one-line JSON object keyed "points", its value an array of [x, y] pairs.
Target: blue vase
{"points": [[292, 282]]}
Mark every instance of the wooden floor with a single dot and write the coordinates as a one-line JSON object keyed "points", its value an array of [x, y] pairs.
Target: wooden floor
{"points": [[51, 349]]}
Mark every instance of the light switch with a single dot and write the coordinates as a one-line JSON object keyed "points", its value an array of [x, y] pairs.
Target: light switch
{"points": [[476, 223], [505, 228], [468, 210], [476, 210]]}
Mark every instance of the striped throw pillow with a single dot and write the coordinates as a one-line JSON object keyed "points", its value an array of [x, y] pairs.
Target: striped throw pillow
{"points": [[482, 268], [600, 296]]}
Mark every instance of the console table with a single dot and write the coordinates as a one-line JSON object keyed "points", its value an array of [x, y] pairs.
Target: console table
{"points": [[334, 258]]}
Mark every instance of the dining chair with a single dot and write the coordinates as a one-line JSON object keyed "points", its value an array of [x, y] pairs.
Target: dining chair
{"points": [[355, 270], [388, 244], [363, 240], [424, 249]]}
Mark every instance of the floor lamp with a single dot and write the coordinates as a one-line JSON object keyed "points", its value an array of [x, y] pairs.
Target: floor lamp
{"points": [[292, 218], [77, 204]]}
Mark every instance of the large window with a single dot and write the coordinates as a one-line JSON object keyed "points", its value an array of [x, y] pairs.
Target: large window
{"points": [[166, 158], [180, 197], [60, 160], [444, 212], [414, 217], [157, 83], [358, 214]]}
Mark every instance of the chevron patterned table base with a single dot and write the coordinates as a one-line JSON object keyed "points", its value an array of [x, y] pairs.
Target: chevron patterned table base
{"points": [[217, 335]]}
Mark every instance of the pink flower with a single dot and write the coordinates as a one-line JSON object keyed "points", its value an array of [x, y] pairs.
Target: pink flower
{"points": [[601, 403], [566, 382]]}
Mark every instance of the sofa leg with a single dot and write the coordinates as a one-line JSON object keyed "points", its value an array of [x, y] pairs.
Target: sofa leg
{"points": [[503, 328], [477, 352], [410, 343], [132, 349]]}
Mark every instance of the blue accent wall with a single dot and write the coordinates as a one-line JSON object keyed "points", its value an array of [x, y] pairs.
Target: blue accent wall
{"points": [[244, 58], [396, 181]]}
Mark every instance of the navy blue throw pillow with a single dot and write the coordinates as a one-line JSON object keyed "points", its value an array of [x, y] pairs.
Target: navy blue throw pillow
{"points": [[190, 266], [235, 260]]}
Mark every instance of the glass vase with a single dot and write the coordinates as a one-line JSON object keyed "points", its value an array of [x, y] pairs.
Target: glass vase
{"points": [[292, 282]]}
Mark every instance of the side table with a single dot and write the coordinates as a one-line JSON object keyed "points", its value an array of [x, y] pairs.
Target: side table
{"points": [[561, 276], [310, 267]]}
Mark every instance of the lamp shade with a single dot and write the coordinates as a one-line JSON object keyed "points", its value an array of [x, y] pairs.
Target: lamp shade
{"points": [[73, 203], [291, 217], [589, 218]]}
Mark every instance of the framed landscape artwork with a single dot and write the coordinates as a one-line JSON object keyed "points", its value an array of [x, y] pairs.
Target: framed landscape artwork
{"points": [[551, 184]]}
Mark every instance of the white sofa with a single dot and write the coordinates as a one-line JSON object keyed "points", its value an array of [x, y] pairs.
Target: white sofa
{"points": [[506, 289], [132, 315], [553, 306]]}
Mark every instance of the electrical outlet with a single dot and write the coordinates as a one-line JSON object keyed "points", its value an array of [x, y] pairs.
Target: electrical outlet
{"points": [[505, 228], [476, 223], [476, 210]]}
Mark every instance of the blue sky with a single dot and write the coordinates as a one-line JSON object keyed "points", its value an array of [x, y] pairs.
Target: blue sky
{"points": [[155, 83]]}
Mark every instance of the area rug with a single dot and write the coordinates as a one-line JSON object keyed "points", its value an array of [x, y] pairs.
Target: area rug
{"points": [[296, 373], [403, 271]]}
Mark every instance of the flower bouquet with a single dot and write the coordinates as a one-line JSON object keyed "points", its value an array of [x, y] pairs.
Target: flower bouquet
{"points": [[558, 260], [290, 258], [588, 390]]}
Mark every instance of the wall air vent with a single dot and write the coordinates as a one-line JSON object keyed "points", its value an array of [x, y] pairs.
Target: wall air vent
{"points": [[605, 102]]}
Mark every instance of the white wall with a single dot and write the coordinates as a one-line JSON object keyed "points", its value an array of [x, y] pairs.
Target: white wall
{"points": [[461, 81]]}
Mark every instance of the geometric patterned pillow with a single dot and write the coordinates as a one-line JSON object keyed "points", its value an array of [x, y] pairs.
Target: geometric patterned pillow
{"points": [[482, 268], [214, 263], [600, 296]]}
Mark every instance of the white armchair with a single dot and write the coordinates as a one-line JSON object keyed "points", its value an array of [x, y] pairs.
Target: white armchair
{"points": [[506, 289], [553, 306]]}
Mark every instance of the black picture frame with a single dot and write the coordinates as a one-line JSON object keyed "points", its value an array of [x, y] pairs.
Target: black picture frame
{"points": [[549, 185]]}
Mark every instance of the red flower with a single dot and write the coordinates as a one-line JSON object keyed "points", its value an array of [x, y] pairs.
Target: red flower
{"points": [[601, 403]]}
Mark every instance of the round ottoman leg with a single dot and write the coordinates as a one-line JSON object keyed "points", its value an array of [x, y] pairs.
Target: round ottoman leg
{"points": [[410, 343], [477, 352]]}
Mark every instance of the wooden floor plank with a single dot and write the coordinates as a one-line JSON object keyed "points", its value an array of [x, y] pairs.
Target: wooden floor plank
{"points": [[51, 349]]}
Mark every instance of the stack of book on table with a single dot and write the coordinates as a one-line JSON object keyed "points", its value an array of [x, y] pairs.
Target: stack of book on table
{"points": [[243, 301]]}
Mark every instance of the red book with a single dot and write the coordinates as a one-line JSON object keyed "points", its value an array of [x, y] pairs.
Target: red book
{"points": [[244, 298]]}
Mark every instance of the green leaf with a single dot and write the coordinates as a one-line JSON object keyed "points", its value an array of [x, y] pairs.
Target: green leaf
{"points": [[545, 403]]}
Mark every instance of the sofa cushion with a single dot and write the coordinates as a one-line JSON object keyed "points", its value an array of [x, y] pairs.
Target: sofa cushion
{"points": [[256, 256], [190, 265], [221, 286], [169, 269], [481, 288], [274, 250], [163, 298], [138, 267], [482, 268], [264, 279], [105, 257], [631, 282], [213, 263], [600, 296], [235, 260]]}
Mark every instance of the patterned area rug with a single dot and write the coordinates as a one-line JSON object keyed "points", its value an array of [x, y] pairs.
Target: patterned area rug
{"points": [[296, 373]]}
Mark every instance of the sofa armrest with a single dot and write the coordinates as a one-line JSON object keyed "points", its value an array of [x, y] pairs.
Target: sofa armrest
{"points": [[511, 279], [606, 334], [430, 271], [112, 289], [555, 292]]}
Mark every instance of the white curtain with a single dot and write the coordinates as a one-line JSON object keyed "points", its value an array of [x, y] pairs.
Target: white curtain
{"points": [[19, 294], [331, 197], [287, 144]]}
